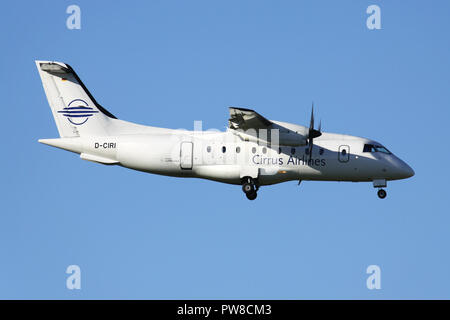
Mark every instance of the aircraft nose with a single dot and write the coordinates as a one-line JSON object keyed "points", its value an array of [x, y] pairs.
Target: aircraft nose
{"points": [[405, 170]]}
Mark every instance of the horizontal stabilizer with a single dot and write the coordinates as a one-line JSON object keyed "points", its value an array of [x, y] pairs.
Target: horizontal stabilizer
{"points": [[54, 68]]}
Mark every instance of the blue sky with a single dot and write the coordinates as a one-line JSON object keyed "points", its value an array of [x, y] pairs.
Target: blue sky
{"points": [[168, 63]]}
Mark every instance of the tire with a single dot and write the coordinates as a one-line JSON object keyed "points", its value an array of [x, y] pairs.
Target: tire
{"points": [[251, 195], [381, 194], [247, 188]]}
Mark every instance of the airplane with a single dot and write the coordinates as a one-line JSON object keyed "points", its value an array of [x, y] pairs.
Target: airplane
{"points": [[252, 152]]}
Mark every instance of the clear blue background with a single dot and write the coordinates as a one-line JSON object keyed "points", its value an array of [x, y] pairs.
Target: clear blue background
{"points": [[168, 63]]}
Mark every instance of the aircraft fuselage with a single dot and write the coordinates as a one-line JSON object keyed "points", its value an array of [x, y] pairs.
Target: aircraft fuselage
{"points": [[225, 157]]}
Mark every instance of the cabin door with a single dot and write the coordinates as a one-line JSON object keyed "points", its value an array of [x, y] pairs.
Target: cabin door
{"points": [[186, 155], [344, 153]]}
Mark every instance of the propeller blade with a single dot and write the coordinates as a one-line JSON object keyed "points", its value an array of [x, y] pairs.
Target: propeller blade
{"points": [[312, 132]]}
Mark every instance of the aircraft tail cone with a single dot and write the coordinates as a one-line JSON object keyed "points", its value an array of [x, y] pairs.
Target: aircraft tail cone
{"points": [[69, 144]]}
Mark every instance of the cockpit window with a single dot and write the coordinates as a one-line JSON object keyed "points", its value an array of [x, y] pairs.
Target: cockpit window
{"points": [[375, 148], [381, 149], [368, 148]]}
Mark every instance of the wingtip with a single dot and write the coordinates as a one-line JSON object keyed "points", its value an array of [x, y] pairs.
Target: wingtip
{"points": [[44, 141]]}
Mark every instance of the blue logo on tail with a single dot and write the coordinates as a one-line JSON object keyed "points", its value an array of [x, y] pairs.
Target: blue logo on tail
{"points": [[78, 113]]}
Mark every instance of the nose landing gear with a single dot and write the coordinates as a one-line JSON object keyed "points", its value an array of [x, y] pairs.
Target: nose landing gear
{"points": [[381, 194], [380, 183], [250, 188]]}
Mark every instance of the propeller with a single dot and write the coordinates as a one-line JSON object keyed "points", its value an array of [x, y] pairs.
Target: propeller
{"points": [[313, 133]]}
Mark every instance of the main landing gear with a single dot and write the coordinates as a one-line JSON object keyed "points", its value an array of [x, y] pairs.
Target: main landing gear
{"points": [[250, 188]]}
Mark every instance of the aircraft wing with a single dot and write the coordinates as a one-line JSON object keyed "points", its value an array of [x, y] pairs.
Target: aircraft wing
{"points": [[245, 119]]}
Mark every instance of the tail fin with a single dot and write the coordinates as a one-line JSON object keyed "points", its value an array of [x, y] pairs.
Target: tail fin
{"points": [[74, 109]]}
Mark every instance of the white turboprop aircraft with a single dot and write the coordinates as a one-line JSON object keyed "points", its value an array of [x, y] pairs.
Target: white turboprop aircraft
{"points": [[253, 152]]}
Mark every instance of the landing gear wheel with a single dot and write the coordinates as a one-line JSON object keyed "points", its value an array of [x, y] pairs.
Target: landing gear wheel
{"points": [[247, 188], [251, 195], [250, 188], [382, 194]]}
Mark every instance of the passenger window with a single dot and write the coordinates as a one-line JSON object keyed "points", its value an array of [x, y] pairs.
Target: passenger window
{"points": [[208, 148], [238, 149], [224, 149], [253, 150], [344, 152], [264, 150], [279, 150], [321, 151], [292, 150]]}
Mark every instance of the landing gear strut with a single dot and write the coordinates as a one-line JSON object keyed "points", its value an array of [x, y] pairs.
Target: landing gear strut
{"points": [[382, 194], [250, 188]]}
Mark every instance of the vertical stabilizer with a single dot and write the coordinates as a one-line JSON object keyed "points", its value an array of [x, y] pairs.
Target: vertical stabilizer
{"points": [[74, 109]]}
